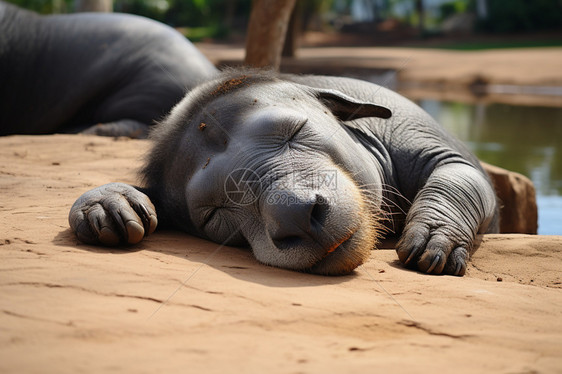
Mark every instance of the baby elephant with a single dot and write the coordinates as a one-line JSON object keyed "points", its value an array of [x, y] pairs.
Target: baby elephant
{"points": [[309, 171]]}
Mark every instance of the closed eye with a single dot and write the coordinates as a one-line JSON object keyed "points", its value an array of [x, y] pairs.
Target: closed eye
{"points": [[296, 130], [209, 216]]}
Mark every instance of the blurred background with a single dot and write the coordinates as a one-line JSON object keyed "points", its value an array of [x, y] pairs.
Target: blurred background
{"points": [[378, 21], [490, 71]]}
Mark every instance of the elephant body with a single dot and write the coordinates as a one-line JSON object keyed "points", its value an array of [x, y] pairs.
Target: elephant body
{"points": [[308, 171], [66, 73]]}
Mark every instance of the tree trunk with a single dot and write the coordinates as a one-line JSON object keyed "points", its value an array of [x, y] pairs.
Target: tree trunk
{"points": [[421, 17], [269, 20], [93, 6], [293, 32]]}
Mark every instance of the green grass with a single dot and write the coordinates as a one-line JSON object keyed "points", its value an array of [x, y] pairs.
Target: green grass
{"points": [[196, 34]]}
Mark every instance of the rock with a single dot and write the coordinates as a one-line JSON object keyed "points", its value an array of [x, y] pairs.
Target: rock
{"points": [[518, 203]]}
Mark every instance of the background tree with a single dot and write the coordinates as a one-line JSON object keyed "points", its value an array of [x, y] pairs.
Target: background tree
{"points": [[294, 29], [304, 13], [93, 5], [520, 16], [421, 16], [267, 29]]}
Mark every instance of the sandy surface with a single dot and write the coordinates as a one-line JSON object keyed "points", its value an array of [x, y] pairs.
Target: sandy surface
{"points": [[179, 303], [522, 66]]}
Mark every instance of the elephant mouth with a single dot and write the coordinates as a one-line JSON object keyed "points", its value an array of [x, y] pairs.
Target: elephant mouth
{"points": [[338, 245], [342, 257]]}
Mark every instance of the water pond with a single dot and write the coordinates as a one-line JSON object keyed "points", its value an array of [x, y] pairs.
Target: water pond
{"points": [[525, 139]]}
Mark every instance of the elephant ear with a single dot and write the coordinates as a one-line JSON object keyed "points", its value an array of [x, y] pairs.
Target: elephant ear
{"points": [[347, 108]]}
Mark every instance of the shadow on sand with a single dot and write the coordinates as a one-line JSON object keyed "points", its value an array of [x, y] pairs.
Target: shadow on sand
{"points": [[236, 262]]}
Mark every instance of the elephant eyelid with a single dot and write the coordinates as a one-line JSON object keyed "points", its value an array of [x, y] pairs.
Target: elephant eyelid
{"points": [[209, 216], [296, 130]]}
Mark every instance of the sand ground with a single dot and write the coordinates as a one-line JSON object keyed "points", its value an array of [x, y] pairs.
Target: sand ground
{"points": [[178, 303]]}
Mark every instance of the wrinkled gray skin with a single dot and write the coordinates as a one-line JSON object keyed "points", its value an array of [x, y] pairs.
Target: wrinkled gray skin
{"points": [[389, 158], [66, 73]]}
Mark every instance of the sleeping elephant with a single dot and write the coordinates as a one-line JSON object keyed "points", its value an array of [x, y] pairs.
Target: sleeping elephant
{"points": [[67, 73], [308, 171]]}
